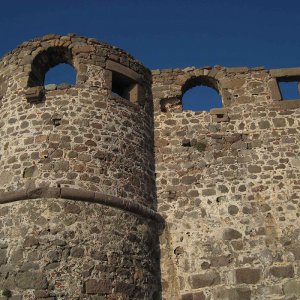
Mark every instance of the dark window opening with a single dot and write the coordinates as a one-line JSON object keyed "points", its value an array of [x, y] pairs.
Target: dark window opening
{"points": [[61, 74], [124, 87], [201, 98], [289, 90]]}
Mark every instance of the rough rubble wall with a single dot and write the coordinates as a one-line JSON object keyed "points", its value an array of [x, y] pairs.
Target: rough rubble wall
{"points": [[88, 140], [228, 187], [57, 249]]}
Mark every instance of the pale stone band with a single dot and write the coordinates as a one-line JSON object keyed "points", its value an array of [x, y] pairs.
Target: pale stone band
{"points": [[81, 195]]}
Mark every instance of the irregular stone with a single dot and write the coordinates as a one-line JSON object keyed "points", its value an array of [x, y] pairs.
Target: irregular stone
{"points": [[31, 280], [102, 287], [292, 287], [77, 252], [30, 172], [231, 234], [5, 177]]}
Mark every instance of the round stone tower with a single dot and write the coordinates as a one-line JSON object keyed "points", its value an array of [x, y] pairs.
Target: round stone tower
{"points": [[77, 191]]}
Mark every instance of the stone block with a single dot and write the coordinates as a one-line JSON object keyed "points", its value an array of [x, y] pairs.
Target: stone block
{"points": [[288, 104], [5, 177], [30, 172], [204, 280], [237, 70], [254, 169], [193, 296], [247, 275], [223, 293], [285, 72], [218, 111], [114, 66], [274, 89], [279, 122], [31, 280], [282, 271], [124, 288], [292, 287], [93, 286], [232, 83], [231, 234]]}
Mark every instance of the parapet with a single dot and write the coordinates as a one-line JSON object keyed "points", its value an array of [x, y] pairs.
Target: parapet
{"points": [[97, 65]]}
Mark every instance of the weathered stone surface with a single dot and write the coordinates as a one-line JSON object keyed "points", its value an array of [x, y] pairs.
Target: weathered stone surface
{"points": [[226, 181], [93, 286], [31, 280], [274, 89], [292, 287], [30, 172], [231, 234], [204, 280], [5, 177], [283, 271], [77, 174], [232, 294], [193, 296], [247, 275]]}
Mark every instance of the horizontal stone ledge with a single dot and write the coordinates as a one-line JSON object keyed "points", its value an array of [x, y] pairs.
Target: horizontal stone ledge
{"points": [[218, 111], [81, 195], [285, 72], [287, 104], [116, 67]]}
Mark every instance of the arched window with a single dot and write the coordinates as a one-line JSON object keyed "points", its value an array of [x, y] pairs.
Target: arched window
{"points": [[201, 94], [62, 73], [46, 60]]}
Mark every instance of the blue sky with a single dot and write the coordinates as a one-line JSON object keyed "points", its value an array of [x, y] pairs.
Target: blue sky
{"points": [[167, 34]]}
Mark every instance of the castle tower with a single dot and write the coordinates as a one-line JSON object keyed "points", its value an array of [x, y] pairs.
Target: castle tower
{"points": [[77, 191]]}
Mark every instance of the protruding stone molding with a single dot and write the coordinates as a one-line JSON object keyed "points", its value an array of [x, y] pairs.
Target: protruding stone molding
{"points": [[114, 66], [81, 195], [284, 73]]}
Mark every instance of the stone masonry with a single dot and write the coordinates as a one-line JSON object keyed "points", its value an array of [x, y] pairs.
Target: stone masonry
{"points": [[228, 186], [77, 184], [109, 190]]}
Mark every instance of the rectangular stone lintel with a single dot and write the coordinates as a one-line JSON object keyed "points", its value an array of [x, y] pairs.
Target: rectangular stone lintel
{"points": [[219, 111], [285, 72], [114, 66]]}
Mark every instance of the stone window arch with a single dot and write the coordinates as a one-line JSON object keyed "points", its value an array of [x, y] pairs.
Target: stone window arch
{"points": [[46, 60], [204, 84], [175, 103]]}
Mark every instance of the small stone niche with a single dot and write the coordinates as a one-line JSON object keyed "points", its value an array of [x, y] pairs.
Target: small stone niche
{"points": [[124, 87]]}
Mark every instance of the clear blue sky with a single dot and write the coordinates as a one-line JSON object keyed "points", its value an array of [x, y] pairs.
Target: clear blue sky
{"points": [[167, 34]]}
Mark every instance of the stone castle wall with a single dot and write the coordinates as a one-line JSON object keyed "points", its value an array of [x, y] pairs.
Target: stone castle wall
{"points": [[84, 143], [83, 199], [228, 186]]}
